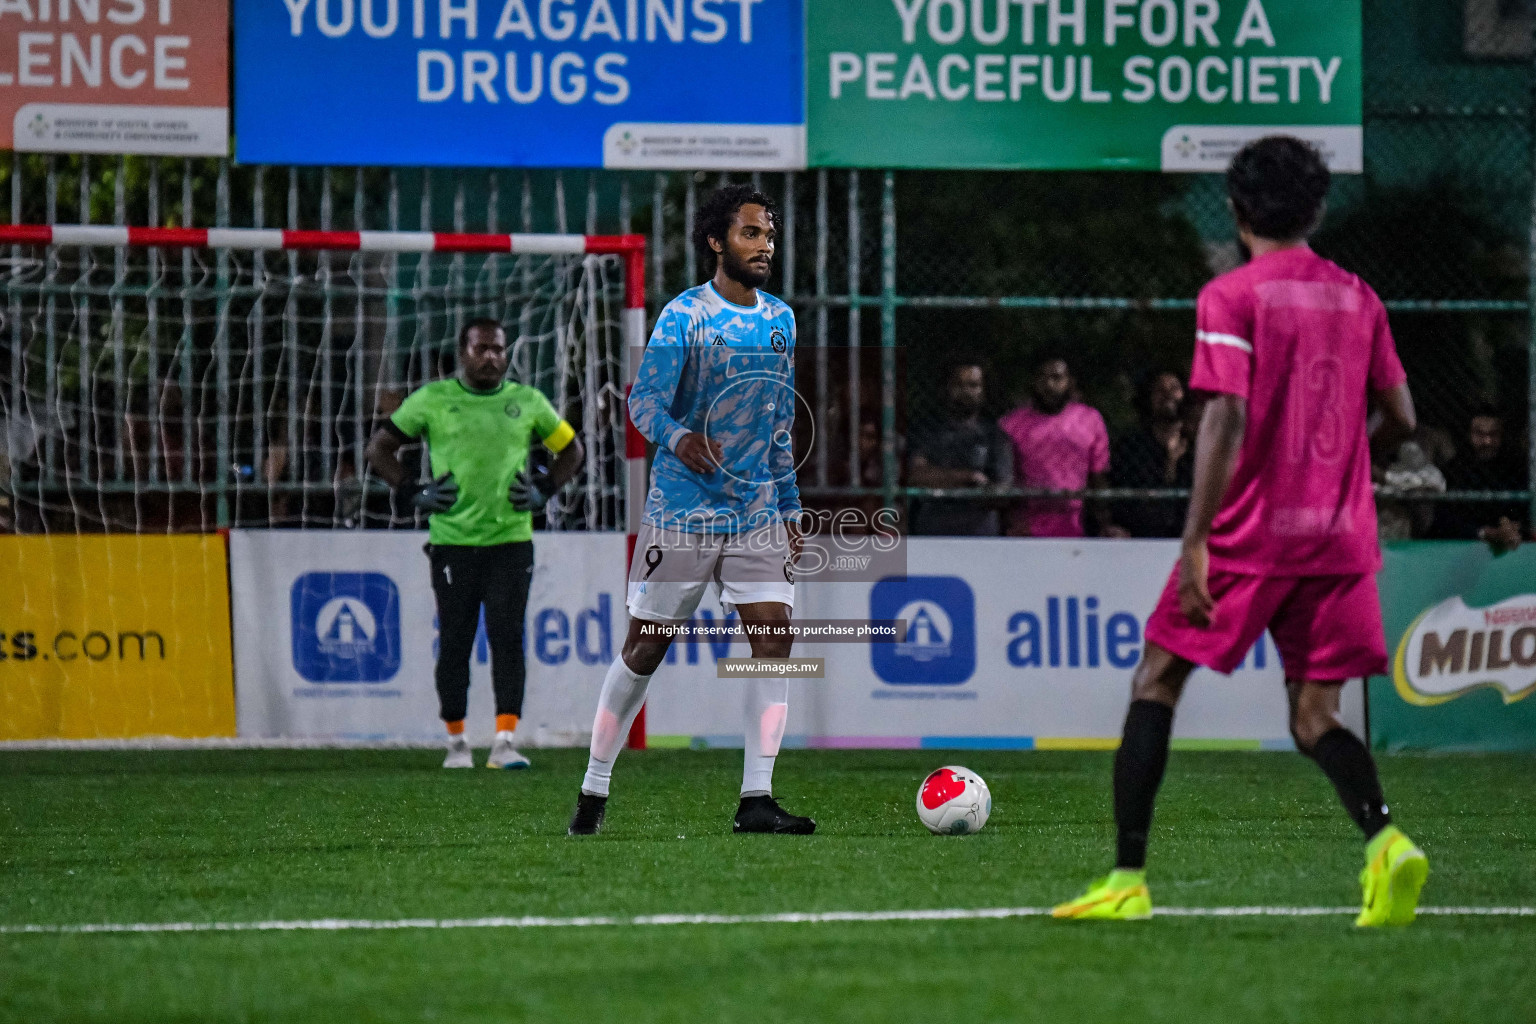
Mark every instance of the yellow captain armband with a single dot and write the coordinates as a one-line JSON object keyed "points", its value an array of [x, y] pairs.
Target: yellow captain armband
{"points": [[561, 436]]}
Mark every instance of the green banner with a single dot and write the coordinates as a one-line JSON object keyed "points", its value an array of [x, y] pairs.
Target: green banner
{"points": [[1461, 629], [1173, 85]]}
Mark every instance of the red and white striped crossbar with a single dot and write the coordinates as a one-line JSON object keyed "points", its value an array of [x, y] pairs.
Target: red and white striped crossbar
{"points": [[631, 247], [346, 241]]}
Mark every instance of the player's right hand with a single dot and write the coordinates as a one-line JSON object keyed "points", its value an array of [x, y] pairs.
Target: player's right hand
{"points": [[1195, 600], [700, 454], [434, 496]]}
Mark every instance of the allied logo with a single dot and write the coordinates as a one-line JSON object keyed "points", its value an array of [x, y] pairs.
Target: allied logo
{"points": [[940, 644], [779, 340], [1452, 649], [346, 627]]}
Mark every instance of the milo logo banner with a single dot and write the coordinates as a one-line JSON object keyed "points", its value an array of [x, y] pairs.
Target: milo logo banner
{"points": [[1462, 628]]}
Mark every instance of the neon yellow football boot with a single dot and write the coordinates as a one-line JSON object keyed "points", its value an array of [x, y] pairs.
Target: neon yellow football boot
{"points": [[1395, 871], [1118, 896]]}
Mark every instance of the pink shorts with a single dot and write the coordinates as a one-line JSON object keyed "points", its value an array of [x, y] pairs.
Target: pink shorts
{"points": [[1325, 627]]}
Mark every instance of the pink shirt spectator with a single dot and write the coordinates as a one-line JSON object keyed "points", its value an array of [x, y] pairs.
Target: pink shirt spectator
{"points": [[1057, 452], [1304, 341]]}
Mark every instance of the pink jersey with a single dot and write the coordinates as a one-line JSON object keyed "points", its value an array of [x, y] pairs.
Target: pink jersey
{"points": [[1304, 341], [1057, 452]]}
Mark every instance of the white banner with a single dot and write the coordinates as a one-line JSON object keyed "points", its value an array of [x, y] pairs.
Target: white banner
{"points": [[1013, 644], [336, 635]]}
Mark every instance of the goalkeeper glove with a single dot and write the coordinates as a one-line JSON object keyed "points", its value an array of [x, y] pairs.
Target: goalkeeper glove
{"points": [[531, 489], [434, 496]]}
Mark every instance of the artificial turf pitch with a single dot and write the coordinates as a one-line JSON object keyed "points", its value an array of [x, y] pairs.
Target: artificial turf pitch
{"points": [[245, 836]]}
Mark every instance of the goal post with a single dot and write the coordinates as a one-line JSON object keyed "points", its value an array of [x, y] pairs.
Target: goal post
{"points": [[186, 380]]}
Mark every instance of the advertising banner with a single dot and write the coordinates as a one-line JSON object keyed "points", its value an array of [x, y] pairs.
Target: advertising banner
{"points": [[1173, 85], [1012, 644], [1461, 625], [1022, 644], [336, 637], [115, 76], [665, 84], [114, 637]]}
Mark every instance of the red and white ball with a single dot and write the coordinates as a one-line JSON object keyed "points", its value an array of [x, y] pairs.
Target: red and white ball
{"points": [[953, 801]]}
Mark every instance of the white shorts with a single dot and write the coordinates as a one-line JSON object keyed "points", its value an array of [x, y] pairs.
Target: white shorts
{"points": [[671, 570]]}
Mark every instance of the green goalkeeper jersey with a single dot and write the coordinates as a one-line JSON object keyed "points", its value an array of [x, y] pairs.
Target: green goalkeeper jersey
{"points": [[483, 439]]}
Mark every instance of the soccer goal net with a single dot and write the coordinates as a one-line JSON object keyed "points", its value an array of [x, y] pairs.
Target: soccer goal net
{"points": [[163, 380]]}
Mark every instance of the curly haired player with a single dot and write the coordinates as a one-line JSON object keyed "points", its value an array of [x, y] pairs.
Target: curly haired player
{"points": [[715, 393], [1281, 528]]}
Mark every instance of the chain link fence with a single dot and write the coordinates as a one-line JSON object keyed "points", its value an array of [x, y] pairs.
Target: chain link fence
{"points": [[900, 280]]}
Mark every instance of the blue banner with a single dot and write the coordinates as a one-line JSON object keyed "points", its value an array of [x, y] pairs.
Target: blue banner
{"points": [[663, 84]]}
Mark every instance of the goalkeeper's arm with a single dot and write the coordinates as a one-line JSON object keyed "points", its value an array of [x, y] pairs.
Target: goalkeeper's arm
{"points": [[535, 485], [383, 454], [437, 495]]}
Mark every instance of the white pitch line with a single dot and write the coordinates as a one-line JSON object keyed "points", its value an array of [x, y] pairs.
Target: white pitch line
{"points": [[654, 920]]}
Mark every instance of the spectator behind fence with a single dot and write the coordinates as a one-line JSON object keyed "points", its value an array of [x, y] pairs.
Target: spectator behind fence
{"points": [[962, 450], [1411, 474], [1157, 455], [1489, 462], [1058, 444]]}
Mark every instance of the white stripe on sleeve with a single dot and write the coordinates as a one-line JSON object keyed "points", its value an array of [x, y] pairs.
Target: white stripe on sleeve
{"points": [[1215, 338]]}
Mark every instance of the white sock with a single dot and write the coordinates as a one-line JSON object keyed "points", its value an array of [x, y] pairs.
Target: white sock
{"points": [[766, 708], [623, 693]]}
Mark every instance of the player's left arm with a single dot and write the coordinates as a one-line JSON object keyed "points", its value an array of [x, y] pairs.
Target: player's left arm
{"points": [[532, 489], [782, 456], [1223, 367], [1217, 446], [560, 438], [1392, 420]]}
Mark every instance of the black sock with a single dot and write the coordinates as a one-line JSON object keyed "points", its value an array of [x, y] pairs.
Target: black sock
{"points": [[1139, 765], [1351, 769]]}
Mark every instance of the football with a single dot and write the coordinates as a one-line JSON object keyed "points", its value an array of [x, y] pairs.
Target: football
{"points": [[953, 801]]}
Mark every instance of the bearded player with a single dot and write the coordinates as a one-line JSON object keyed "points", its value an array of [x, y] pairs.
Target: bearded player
{"points": [[715, 394], [1281, 528]]}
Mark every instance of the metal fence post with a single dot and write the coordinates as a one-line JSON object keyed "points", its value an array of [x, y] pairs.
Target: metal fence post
{"points": [[225, 463], [658, 288], [823, 360], [1530, 341], [889, 471], [787, 243], [855, 325], [19, 354], [690, 255]]}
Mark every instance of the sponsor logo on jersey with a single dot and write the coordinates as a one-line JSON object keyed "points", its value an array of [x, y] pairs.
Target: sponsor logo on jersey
{"points": [[940, 645], [1452, 649], [346, 627]]}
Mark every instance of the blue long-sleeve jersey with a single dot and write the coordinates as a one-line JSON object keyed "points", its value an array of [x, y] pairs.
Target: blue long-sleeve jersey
{"points": [[727, 372]]}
